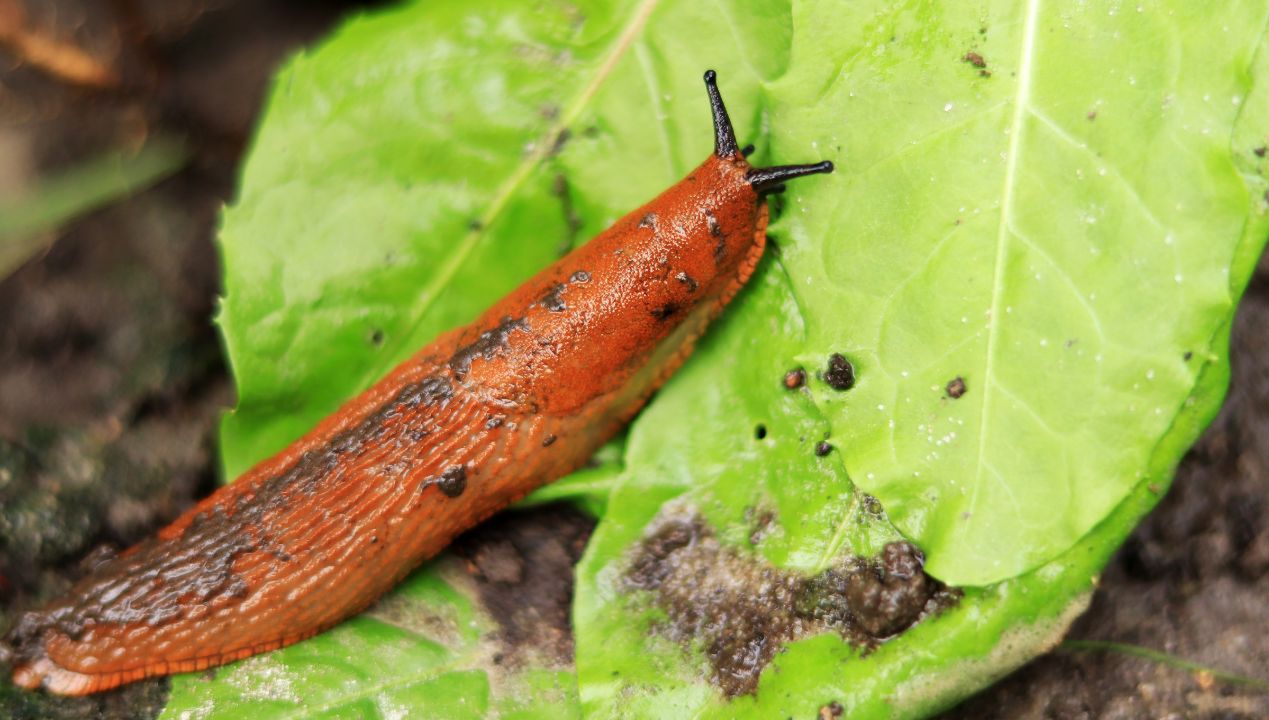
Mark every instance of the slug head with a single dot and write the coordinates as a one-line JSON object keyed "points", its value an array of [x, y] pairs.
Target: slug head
{"points": [[762, 180]]}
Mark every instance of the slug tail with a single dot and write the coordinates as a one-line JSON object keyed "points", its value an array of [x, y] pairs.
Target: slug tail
{"points": [[724, 137], [44, 673]]}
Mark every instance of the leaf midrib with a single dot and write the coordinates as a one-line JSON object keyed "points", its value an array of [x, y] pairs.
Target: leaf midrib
{"points": [[541, 150], [1022, 100]]}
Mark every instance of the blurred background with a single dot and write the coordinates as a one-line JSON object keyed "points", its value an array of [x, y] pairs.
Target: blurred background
{"points": [[122, 124]]}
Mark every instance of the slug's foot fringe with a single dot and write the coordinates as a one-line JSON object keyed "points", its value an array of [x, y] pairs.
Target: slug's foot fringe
{"points": [[46, 674]]}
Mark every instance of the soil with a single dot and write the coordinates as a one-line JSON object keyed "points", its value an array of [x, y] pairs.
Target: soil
{"points": [[112, 381], [517, 560]]}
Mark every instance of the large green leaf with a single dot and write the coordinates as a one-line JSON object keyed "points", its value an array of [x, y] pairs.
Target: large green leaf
{"points": [[1065, 228], [1060, 234]]}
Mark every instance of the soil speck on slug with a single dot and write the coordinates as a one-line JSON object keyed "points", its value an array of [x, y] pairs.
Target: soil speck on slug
{"points": [[453, 481], [956, 387], [840, 374], [741, 610]]}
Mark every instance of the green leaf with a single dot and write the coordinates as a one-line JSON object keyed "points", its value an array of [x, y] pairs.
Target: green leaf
{"points": [[1067, 235], [1059, 233], [426, 650], [928, 222]]}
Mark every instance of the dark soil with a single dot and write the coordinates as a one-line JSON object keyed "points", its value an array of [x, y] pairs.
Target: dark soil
{"points": [[522, 563], [111, 383]]}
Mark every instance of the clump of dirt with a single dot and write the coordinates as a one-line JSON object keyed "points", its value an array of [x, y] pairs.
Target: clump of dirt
{"points": [[522, 564], [743, 610], [840, 374]]}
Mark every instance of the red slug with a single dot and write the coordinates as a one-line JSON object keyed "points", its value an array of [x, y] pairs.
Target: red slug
{"points": [[471, 423]]}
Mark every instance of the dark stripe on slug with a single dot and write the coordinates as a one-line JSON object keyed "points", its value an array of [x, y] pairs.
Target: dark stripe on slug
{"points": [[486, 346], [431, 390], [552, 300]]}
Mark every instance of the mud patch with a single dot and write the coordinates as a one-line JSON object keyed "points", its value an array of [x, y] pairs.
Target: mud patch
{"points": [[522, 567], [742, 610]]}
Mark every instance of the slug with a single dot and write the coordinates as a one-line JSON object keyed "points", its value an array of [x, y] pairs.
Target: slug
{"points": [[468, 425]]}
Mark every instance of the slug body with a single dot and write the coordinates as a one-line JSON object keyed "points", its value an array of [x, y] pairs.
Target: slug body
{"points": [[474, 421]]}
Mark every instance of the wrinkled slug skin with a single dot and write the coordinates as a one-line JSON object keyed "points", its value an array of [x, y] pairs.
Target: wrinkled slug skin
{"points": [[472, 422]]}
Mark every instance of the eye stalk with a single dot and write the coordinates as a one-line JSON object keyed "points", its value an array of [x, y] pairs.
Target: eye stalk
{"points": [[760, 179], [770, 179], [724, 137]]}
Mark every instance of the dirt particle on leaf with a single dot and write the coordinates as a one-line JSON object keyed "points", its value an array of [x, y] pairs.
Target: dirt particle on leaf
{"points": [[840, 374], [760, 431], [1260, 151], [831, 711], [1092, 115], [956, 387], [795, 378], [974, 59], [823, 448], [741, 610]]}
